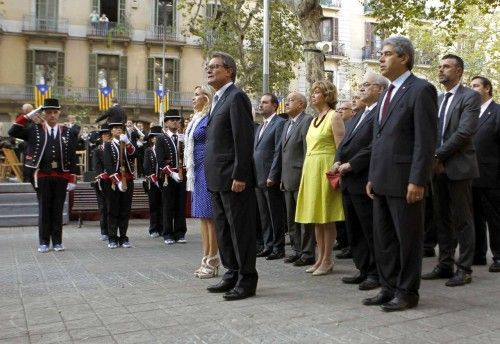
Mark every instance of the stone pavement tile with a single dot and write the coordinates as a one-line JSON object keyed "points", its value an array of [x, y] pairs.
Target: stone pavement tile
{"points": [[36, 302], [74, 312], [16, 340], [91, 321], [46, 328], [96, 340], [155, 319], [13, 332], [270, 338], [466, 329], [490, 323], [222, 337], [383, 332], [12, 322], [42, 316], [438, 335], [443, 320], [123, 327], [176, 335], [148, 306], [299, 333], [135, 337], [118, 310], [355, 336], [52, 337], [69, 299], [90, 332], [117, 318], [407, 339]]}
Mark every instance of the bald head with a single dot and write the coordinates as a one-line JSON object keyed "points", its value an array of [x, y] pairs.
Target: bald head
{"points": [[357, 103], [295, 104], [372, 87], [27, 108]]}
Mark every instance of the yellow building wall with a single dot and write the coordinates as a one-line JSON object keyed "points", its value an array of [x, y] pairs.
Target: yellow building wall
{"points": [[12, 60]]}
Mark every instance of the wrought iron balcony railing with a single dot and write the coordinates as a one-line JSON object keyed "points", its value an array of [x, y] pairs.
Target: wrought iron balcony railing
{"points": [[160, 32], [338, 49], [331, 3], [369, 53], [48, 25], [109, 29]]}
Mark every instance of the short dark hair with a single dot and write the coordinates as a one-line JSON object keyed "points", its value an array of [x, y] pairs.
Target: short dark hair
{"points": [[458, 60], [486, 83], [228, 62], [402, 46], [274, 99]]}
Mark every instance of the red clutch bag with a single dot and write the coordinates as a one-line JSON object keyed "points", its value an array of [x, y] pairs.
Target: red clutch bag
{"points": [[334, 179]]}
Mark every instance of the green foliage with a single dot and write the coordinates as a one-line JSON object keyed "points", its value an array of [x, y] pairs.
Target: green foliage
{"points": [[236, 27]]}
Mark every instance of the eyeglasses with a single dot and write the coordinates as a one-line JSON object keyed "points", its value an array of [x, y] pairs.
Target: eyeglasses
{"points": [[213, 66], [343, 109], [368, 84]]}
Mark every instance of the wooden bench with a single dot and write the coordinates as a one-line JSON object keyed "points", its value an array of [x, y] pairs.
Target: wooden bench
{"points": [[84, 200], [11, 163]]}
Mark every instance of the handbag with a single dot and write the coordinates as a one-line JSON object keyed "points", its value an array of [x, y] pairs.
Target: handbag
{"points": [[334, 179]]}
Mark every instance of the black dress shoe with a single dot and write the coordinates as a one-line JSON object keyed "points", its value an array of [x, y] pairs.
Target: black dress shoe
{"points": [[495, 266], [338, 247], [356, 279], [460, 278], [429, 252], [264, 253], [400, 303], [221, 287], [378, 299], [345, 253], [438, 273], [479, 261], [238, 293], [369, 284], [304, 262], [291, 259], [275, 255]]}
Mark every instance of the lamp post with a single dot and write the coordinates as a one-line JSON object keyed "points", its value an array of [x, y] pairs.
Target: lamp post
{"points": [[167, 5]]}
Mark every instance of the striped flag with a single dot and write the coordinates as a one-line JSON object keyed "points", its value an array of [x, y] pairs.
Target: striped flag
{"points": [[158, 99], [42, 92], [281, 106], [105, 94]]}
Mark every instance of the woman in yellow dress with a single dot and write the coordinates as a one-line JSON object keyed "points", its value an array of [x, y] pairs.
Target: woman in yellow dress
{"points": [[317, 202]]}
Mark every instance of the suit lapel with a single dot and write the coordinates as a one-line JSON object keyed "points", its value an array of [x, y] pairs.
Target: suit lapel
{"points": [[293, 130], [219, 103], [401, 91], [369, 117], [456, 98], [271, 123], [487, 113]]}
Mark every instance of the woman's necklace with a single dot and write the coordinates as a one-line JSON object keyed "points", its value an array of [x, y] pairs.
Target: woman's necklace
{"points": [[315, 122]]}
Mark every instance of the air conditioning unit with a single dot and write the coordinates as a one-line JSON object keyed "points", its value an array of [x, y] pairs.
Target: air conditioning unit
{"points": [[324, 46]]}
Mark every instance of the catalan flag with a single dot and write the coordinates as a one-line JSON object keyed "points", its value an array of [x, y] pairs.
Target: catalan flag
{"points": [[42, 92], [159, 98], [281, 106], [105, 94]]}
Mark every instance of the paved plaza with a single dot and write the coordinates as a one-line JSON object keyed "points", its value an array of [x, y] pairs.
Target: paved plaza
{"points": [[148, 294]]}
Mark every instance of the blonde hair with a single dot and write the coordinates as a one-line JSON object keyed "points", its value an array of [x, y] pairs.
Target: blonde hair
{"points": [[208, 91], [329, 91]]}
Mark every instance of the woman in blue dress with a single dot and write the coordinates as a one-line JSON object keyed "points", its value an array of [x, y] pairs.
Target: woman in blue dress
{"points": [[201, 203]]}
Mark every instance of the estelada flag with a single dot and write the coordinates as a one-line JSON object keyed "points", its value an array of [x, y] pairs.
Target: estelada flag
{"points": [[105, 94], [42, 92], [159, 98]]}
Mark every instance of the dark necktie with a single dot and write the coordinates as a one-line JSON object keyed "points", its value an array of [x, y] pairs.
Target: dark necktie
{"points": [[263, 128], [52, 133], [175, 139], [385, 107], [292, 123], [442, 118]]}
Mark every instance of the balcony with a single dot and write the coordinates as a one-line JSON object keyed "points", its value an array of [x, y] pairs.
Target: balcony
{"points": [[87, 96], [157, 33], [47, 27], [370, 53], [338, 50], [110, 31], [334, 4]]}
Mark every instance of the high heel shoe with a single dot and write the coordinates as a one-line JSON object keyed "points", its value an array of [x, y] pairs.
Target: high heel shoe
{"points": [[211, 268], [320, 272], [312, 268], [203, 264]]}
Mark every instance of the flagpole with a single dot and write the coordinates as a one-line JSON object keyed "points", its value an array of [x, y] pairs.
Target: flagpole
{"points": [[265, 49], [166, 4]]}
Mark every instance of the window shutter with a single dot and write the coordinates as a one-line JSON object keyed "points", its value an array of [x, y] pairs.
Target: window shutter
{"points": [[30, 61], [122, 14], [176, 64], [368, 34], [122, 73], [151, 74], [93, 70], [335, 29], [60, 69], [96, 6]]}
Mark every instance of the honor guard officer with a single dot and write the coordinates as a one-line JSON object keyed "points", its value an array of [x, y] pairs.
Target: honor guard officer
{"points": [[169, 150], [51, 155], [152, 185], [98, 166], [119, 155]]}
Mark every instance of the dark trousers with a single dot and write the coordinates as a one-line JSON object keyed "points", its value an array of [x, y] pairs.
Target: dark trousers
{"points": [[272, 217], [430, 230], [155, 219], [301, 235], [103, 208], [234, 215], [119, 204], [359, 221], [342, 235], [398, 235], [454, 221], [51, 194], [173, 200], [486, 211]]}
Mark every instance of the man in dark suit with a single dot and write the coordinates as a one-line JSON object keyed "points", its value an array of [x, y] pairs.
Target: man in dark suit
{"points": [[486, 188], [403, 145], [454, 168], [352, 162], [230, 176], [268, 172], [292, 154]]}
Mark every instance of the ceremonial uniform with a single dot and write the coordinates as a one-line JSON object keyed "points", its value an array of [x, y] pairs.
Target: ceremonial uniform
{"points": [[101, 176], [152, 172]]}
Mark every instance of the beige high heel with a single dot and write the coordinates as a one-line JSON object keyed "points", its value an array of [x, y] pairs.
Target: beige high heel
{"points": [[203, 264], [320, 272], [312, 268], [211, 268]]}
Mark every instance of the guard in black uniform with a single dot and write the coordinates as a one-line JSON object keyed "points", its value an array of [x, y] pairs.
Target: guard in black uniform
{"points": [[98, 166], [51, 155], [119, 187], [152, 184], [169, 150]]}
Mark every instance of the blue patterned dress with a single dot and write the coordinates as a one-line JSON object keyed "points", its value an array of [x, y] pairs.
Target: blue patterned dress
{"points": [[201, 205]]}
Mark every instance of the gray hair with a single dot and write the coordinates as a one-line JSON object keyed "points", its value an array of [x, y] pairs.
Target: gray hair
{"points": [[27, 108], [228, 62], [302, 98], [381, 80], [402, 46]]}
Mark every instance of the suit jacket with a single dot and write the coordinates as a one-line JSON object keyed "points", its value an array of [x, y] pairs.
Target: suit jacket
{"points": [[457, 151], [229, 144], [111, 159], [266, 152], [403, 145], [293, 151], [150, 164], [166, 151], [355, 149], [487, 144]]}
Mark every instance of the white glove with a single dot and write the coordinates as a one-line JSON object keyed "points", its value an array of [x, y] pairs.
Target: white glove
{"points": [[124, 138], [120, 186], [71, 187], [33, 113], [175, 176], [139, 143]]}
